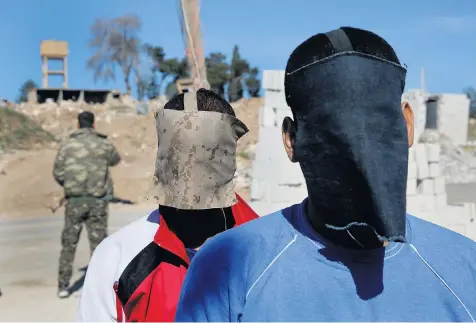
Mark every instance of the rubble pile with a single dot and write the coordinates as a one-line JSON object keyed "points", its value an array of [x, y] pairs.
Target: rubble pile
{"points": [[135, 138], [18, 131]]}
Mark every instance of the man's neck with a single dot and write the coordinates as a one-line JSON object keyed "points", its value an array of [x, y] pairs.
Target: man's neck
{"points": [[358, 238]]}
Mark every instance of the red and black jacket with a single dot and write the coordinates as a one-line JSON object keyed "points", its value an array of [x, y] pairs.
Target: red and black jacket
{"points": [[149, 288]]}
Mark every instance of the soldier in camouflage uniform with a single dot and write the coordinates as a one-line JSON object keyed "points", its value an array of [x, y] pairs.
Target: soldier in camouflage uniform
{"points": [[82, 169]]}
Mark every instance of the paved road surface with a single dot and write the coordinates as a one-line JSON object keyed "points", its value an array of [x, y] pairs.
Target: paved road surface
{"points": [[29, 251]]}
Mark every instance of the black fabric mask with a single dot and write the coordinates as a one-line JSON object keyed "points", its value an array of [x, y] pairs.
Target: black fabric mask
{"points": [[194, 227], [351, 141]]}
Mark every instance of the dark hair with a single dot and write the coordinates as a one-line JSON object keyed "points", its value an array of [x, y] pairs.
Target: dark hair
{"points": [[86, 119], [319, 46], [206, 101]]}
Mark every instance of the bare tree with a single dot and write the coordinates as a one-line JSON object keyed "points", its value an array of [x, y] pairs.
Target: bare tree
{"points": [[115, 41]]}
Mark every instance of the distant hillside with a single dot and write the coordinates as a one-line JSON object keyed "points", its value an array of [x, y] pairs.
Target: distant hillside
{"points": [[17, 131]]}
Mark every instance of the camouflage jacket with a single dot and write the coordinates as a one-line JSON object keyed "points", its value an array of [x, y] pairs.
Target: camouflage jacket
{"points": [[82, 164]]}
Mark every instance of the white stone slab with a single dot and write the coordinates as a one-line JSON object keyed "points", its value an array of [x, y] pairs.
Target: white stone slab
{"points": [[288, 194], [426, 186], [273, 79], [258, 190], [420, 153], [412, 187], [268, 117], [412, 170], [275, 99], [423, 171], [281, 113], [434, 170], [411, 154], [441, 201], [433, 152], [439, 185], [453, 116]]}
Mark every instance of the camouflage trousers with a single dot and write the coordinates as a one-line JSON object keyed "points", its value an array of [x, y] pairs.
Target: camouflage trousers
{"points": [[93, 213]]}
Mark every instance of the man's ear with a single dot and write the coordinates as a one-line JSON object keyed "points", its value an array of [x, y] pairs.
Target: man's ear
{"points": [[410, 121], [289, 135]]}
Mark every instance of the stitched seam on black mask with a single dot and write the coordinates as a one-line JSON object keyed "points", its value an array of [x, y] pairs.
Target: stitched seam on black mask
{"points": [[348, 53]]}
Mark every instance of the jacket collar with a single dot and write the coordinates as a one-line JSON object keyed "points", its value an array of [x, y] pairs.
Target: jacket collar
{"points": [[166, 239], [169, 241]]}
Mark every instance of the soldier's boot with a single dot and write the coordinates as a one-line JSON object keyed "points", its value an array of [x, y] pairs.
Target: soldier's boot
{"points": [[63, 285], [64, 293]]}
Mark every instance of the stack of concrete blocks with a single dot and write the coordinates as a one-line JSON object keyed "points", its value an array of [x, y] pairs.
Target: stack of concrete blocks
{"points": [[425, 183], [453, 116], [417, 100], [276, 182], [426, 192]]}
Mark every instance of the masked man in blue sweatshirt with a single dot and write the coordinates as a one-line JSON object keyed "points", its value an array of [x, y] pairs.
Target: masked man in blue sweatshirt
{"points": [[349, 251]]}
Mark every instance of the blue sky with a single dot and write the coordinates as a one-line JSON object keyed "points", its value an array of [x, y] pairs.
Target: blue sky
{"points": [[439, 35]]}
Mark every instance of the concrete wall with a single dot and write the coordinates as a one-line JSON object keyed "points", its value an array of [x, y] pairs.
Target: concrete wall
{"points": [[276, 182], [449, 113], [453, 116]]}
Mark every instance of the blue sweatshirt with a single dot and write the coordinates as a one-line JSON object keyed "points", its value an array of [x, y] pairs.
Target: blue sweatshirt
{"points": [[277, 268]]}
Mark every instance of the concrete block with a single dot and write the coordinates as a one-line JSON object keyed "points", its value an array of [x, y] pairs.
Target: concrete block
{"points": [[290, 174], [426, 186], [439, 185], [411, 154], [421, 204], [257, 190], [275, 99], [453, 116], [273, 79], [266, 208], [441, 201], [268, 117], [433, 152], [288, 194], [422, 161], [420, 154], [281, 113], [423, 170], [412, 170], [412, 187], [434, 170]]}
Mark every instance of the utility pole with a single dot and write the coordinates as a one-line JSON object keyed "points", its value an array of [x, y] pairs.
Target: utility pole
{"points": [[190, 14], [422, 79]]}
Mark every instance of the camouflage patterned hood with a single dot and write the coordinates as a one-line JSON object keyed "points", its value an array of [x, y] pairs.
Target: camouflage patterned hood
{"points": [[196, 157]]}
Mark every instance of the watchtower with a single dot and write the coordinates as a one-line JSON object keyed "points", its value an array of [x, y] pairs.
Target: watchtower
{"points": [[54, 50]]}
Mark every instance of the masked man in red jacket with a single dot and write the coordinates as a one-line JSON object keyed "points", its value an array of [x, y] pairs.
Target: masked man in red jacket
{"points": [[136, 274]]}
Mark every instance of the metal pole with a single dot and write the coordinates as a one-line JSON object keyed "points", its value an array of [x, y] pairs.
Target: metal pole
{"points": [[193, 43]]}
